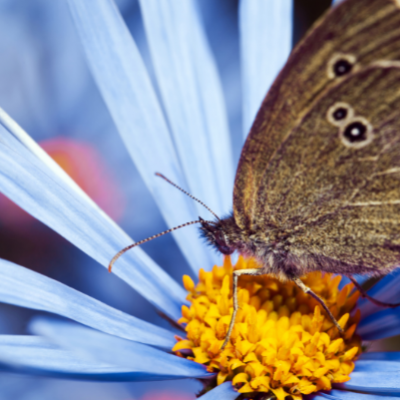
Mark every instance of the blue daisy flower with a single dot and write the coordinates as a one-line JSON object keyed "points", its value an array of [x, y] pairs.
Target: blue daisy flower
{"points": [[181, 130]]}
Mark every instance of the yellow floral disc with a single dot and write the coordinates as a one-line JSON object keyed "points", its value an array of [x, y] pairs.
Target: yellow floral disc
{"points": [[281, 343]]}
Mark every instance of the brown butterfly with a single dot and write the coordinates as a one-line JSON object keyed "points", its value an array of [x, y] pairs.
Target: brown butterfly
{"points": [[318, 181]]}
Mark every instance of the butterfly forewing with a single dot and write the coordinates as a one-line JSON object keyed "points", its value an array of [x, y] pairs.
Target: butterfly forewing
{"points": [[351, 36]]}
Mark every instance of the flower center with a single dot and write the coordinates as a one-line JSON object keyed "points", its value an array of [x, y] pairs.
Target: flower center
{"points": [[281, 343]]}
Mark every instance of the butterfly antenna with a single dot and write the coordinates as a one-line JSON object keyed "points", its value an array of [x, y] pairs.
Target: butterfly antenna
{"points": [[124, 250], [187, 194]]}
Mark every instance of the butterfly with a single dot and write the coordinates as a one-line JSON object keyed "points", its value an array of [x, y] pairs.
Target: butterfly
{"points": [[317, 187], [318, 182]]}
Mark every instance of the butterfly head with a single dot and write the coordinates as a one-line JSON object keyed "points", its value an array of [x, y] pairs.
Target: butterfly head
{"points": [[220, 234]]}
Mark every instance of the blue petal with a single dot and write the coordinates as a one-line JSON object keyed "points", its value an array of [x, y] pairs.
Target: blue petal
{"points": [[193, 99], [94, 345], [30, 183], [32, 355], [386, 290], [266, 41], [374, 376], [376, 365], [380, 325], [126, 88], [381, 355], [23, 287], [345, 395], [225, 391]]}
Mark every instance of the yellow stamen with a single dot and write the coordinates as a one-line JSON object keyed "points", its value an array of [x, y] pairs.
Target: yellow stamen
{"points": [[282, 342]]}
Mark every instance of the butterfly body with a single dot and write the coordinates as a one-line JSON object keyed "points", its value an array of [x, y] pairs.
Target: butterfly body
{"points": [[269, 247]]}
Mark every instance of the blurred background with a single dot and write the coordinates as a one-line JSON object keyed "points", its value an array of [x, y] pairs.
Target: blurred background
{"points": [[46, 87]]}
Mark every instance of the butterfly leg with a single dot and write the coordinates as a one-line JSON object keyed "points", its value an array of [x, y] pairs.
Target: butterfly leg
{"points": [[236, 275], [371, 299], [307, 290]]}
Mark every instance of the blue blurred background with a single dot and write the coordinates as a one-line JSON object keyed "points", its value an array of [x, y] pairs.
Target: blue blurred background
{"points": [[46, 87]]}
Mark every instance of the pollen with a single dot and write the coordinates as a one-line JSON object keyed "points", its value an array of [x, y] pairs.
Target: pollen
{"points": [[282, 343]]}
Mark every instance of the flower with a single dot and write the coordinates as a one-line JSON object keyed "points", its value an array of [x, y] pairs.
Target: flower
{"points": [[121, 347], [281, 342]]}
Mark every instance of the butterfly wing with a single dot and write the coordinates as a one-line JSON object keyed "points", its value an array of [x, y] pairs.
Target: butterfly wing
{"points": [[362, 31], [334, 199], [302, 181]]}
